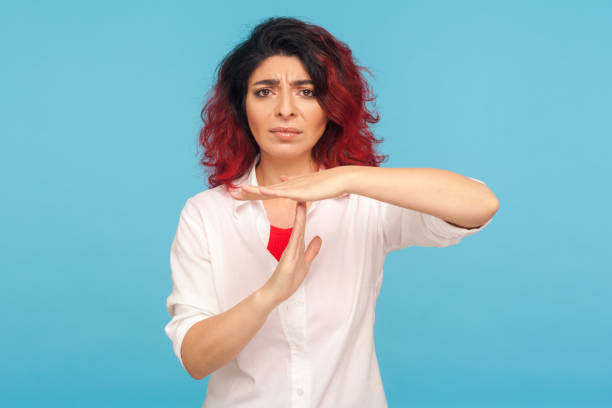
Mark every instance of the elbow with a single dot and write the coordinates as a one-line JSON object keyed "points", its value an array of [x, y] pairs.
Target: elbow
{"points": [[492, 208], [494, 205], [195, 374], [489, 210], [192, 373], [487, 199]]}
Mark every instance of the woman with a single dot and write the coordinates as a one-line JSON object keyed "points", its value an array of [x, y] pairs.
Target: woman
{"points": [[286, 133]]}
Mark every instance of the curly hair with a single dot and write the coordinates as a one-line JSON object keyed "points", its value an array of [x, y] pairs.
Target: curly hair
{"points": [[341, 90]]}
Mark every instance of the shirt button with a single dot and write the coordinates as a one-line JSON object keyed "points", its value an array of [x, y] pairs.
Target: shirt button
{"points": [[300, 392]]}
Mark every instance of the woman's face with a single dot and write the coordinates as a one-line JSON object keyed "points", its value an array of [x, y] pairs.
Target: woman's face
{"points": [[280, 94]]}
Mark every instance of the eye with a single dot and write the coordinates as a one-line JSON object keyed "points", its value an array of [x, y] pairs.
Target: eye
{"points": [[258, 93], [309, 90]]}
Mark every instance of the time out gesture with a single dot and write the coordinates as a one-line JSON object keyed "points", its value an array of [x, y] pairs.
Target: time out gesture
{"points": [[328, 183], [296, 259], [459, 200]]}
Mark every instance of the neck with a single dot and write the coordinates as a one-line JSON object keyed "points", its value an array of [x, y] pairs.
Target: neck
{"points": [[269, 169]]}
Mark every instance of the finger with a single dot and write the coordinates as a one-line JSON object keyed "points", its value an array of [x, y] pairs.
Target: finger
{"points": [[313, 250], [241, 194], [268, 191], [254, 192], [297, 234], [235, 193], [283, 177], [250, 189]]}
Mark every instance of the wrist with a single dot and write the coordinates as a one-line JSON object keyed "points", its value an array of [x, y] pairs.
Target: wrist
{"points": [[350, 176], [264, 299]]}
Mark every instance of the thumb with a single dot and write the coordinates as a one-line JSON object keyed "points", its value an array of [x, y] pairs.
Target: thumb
{"points": [[313, 250]]}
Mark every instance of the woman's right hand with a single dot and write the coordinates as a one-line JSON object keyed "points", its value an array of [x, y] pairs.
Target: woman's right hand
{"points": [[294, 262]]}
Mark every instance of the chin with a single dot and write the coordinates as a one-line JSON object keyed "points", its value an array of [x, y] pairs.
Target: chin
{"points": [[286, 149]]}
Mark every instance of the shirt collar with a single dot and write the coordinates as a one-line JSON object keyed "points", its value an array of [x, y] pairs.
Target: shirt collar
{"points": [[251, 179]]}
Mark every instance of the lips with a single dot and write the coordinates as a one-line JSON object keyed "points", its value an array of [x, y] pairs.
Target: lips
{"points": [[286, 130], [285, 133]]}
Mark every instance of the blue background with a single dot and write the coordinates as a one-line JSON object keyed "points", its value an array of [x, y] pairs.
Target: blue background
{"points": [[100, 113]]}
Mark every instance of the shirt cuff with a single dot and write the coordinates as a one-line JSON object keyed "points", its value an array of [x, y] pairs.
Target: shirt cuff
{"points": [[451, 233], [182, 330]]}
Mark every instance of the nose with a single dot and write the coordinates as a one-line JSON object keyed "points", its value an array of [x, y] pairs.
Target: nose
{"points": [[286, 105]]}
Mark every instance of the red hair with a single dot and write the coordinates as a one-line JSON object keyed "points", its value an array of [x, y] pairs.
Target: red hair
{"points": [[341, 90]]}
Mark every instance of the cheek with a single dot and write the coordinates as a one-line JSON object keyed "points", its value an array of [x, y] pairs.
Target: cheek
{"points": [[253, 115], [314, 113], [317, 118]]}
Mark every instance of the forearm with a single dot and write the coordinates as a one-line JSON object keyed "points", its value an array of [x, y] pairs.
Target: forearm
{"points": [[442, 193], [212, 343]]}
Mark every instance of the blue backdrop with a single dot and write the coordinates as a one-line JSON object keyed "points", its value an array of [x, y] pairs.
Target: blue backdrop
{"points": [[100, 113]]}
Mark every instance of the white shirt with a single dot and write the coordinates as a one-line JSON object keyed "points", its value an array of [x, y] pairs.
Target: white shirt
{"points": [[316, 349]]}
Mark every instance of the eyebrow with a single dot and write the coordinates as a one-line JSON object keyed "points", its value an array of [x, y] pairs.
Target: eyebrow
{"points": [[276, 82]]}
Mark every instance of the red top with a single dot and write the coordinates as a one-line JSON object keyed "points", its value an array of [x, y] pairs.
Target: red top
{"points": [[279, 238]]}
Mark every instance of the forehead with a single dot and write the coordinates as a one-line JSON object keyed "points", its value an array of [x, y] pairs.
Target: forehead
{"points": [[277, 67]]}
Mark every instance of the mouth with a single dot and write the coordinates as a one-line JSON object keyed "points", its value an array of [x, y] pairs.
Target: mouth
{"points": [[285, 133]]}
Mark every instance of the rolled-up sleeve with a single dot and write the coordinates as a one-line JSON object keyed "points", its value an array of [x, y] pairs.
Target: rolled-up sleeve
{"points": [[402, 227], [193, 297]]}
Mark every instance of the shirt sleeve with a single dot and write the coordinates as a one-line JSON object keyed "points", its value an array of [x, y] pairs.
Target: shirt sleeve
{"points": [[193, 297], [403, 227]]}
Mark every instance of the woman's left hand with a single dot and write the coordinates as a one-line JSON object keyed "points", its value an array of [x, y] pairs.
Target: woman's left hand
{"points": [[328, 183]]}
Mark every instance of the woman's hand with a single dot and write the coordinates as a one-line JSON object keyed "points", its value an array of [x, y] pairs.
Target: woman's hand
{"points": [[323, 184], [294, 262]]}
